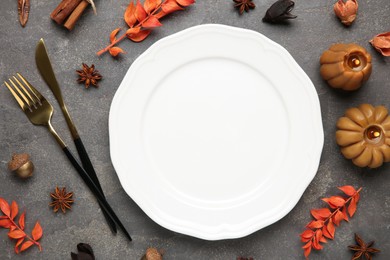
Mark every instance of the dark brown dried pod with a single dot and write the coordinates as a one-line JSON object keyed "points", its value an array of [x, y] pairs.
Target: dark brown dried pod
{"points": [[279, 12], [23, 11]]}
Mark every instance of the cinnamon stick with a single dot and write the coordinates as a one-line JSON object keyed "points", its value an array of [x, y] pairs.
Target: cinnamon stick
{"points": [[75, 15], [63, 10]]}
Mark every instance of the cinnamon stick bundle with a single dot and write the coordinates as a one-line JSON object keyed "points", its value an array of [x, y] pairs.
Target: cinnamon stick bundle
{"points": [[68, 12]]}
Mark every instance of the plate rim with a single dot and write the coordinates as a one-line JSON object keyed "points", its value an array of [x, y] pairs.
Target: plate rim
{"points": [[226, 232]]}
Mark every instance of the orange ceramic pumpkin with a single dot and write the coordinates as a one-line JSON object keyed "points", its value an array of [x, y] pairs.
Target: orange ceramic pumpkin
{"points": [[346, 66], [364, 135]]}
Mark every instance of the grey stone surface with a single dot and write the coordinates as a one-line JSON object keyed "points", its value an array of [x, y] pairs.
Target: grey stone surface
{"points": [[315, 29]]}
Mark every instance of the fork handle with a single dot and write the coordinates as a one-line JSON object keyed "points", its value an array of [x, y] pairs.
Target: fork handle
{"points": [[95, 190], [87, 165]]}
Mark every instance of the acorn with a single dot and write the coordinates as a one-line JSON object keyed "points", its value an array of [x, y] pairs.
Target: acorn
{"points": [[152, 254], [21, 165]]}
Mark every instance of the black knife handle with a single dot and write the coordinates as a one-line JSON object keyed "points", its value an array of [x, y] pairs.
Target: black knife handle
{"points": [[95, 190], [87, 165]]}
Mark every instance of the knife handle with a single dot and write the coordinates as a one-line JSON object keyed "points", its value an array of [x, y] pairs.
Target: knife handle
{"points": [[91, 185]]}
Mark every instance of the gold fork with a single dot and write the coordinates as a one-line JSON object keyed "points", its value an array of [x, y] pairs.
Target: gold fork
{"points": [[39, 111]]}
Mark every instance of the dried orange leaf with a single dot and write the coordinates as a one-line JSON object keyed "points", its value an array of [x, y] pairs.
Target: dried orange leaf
{"points": [[307, 245], [320, 214], [307, 251], [352, 207], [338, 217], [131, 31], [151, 22], [20, 241], [14, 210], [129, 16], [170, 6], [115, 51], [331, 229], [326, 233], [335, 201], [139, 37], [348, 190], [151, 5], [185, 2], [26, 245], [315, 224], [37, 232], [345, 215], [381, 43], [21, 220], [140, 12], [16, 234], [4, 206], [5, 223], [113, 34]]}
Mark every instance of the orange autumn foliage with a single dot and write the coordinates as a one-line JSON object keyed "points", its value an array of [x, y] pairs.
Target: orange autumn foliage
{"points": [[17, 231], [324, 225], [142, 19]]}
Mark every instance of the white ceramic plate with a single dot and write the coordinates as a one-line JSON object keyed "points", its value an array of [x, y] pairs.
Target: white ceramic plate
{"points": [[215, 132]]}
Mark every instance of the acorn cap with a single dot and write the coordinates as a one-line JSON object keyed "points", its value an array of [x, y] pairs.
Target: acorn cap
{"points": [[18, 160]]}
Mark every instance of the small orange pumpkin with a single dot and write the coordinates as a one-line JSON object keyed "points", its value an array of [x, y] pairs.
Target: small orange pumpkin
{"points": [[346, 66], [364, 135]]}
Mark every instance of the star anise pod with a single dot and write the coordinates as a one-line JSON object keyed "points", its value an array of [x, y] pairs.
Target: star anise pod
{"points": [[61, 199], [244, 5], [363, 249], [89, 75]]}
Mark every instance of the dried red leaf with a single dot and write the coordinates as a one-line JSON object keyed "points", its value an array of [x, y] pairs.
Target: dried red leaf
{"points": [[5, 223], [335, 201], [348, 190], [307, 245], [323, 240], [316, 240], [26, 245], [4, 206], [381, 43], [331, 229], [307, 251], [185, 2], [326, 233], [21, 220], [140, 12], [37, 232], [308, 233], [345, 215], [139, 37], [151, 22], [315, 224], [20, 241], [352, 207], [320, 214], [338, 217], [129, 16], [14, 210], [16, 234], [12, 228], [170, 6], [132, 31], [151, 5]]}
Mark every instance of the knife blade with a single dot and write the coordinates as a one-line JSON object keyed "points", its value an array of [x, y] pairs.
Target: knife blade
{"points": [[45, 68]]}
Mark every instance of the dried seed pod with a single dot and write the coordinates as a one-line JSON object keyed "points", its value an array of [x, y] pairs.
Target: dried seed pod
{"points": [[381, 43], [21, 165], [23, 11], [346, 11], [279, 11]]}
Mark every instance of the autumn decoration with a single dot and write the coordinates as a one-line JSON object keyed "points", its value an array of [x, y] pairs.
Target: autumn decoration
{"points": [[16, 230], [326, 220], [364, 135], [381, 43], [346, 11], [142, 19], [85, 252], [280, 12], [153, 254], [23, 11], [61, 199], [89, 76], [362, 249], [244, 5], [346, 66], [21, 165]]}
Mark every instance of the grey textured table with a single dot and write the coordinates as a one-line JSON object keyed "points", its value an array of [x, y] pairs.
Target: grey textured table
{"points": [[315, 29]]}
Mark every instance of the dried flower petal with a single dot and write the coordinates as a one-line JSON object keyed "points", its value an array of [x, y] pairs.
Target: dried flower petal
{"points": [[381, 43], [279, 11], [346, 11]]}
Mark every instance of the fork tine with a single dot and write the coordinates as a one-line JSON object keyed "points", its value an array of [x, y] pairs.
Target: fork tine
{"points": [[20, 101], [32, 89], [34, 101], [26, 101]]}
